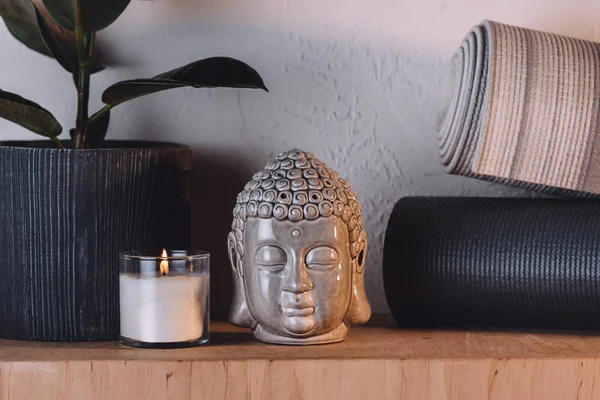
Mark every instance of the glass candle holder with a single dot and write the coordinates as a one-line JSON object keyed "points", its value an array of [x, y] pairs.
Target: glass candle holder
{"points": [[164, 298]]}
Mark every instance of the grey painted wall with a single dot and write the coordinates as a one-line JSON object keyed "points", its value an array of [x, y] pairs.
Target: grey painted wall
{"points": [[356, 82]]}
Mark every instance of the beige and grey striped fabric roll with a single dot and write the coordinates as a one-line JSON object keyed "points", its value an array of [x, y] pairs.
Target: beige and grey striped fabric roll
{"points": [[524, 110]]}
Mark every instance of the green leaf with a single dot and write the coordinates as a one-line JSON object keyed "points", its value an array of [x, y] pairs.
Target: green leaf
{"points": [[33, 26], [97, 129], [28, 114], [208, 73], [61, 44], [96, 14], [21, 21]]}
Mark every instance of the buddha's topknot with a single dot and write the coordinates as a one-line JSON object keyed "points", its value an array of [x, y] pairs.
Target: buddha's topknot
{"points": [[297, 186]]}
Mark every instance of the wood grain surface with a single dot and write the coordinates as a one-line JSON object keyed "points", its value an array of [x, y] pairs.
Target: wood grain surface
{"points": [[376, 361]]}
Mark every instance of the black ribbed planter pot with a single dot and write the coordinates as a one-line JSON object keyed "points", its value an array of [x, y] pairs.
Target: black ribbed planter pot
{"points": [[64, 217]]}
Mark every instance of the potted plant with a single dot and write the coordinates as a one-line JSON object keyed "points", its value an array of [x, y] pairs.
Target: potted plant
{"points": [[67, 208]]}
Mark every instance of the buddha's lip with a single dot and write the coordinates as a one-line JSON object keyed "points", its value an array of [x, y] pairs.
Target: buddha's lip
{"points": [[298, 312]]}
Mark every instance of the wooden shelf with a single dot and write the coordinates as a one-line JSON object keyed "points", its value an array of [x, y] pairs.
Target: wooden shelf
{"points": [[376, 361]]}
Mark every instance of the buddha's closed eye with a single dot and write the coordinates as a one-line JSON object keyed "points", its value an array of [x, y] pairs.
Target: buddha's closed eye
{"points": [[322, 258], [270, 258]]}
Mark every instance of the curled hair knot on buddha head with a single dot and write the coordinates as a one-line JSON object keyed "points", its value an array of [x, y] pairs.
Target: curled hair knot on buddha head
{"points": [[297, 186]]}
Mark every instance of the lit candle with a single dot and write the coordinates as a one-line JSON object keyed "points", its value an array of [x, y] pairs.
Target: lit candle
{"points": [[166, 306]]}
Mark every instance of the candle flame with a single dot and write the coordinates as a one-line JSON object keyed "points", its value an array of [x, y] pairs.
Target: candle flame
{"points": [[164, 264]]}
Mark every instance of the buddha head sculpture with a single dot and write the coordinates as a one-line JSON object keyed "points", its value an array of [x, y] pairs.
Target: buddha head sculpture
{"points": [[298, 249]]}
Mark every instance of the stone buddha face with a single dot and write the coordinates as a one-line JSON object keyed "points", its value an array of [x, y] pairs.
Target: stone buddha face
{"points": [[298, 249]]}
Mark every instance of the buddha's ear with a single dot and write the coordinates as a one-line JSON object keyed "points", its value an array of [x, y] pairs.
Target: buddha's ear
{"points": [[360, 309], [239, 313], [234, 255]]}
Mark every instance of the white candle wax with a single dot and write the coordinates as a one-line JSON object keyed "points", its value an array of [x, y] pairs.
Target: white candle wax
{"points": [[163, 309]]}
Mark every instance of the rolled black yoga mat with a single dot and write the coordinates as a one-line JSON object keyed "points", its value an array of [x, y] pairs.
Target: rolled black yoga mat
{"points": [[485, 262]]}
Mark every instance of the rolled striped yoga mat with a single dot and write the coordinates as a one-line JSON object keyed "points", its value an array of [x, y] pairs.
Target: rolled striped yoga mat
{"points": [[523, 110], [493, 262]]}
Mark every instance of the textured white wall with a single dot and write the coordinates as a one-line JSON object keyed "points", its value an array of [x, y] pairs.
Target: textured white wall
{"points": [[356, 82]]}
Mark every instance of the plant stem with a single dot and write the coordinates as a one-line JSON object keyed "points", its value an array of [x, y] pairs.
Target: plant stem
{"points": [[57, 142], [85, 43], [100, 113], [83, 92]]}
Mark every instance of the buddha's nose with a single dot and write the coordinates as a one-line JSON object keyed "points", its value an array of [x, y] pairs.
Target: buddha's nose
{"points": [[296, 279]]}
